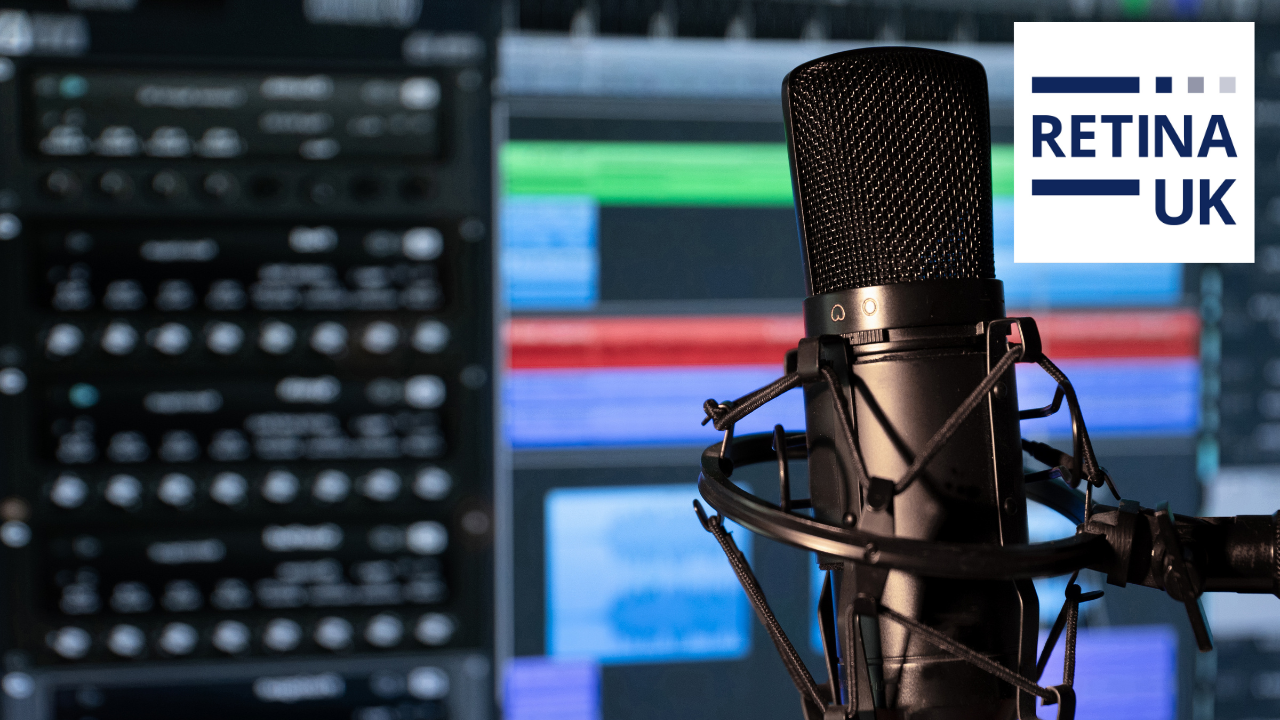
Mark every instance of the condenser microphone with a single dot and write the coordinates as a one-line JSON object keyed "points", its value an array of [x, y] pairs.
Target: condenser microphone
{"points": [[891, 167], [918, 498]]}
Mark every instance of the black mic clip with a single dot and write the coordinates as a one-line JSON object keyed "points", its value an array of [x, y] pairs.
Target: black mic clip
{"points": [[880, 495], [876, 518], [808, 360], [1032, 349], [1181, 578]]}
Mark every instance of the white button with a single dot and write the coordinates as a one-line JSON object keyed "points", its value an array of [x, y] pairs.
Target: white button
{"points": [[333, 633], [12, 381], [228, 488], [276, 338], [228, 445], [18, 685], [181, 596], [175, 295], [428, 683], [432, 483], [231, 637], [169, 141], [123, 491], [384, 630], [119, 338], [380, 338], [64, 340], [170, 338], [130, 597], [225, 295], [72, 295], [178, 446], [128, 447], [281, 635], [424, 391], [10, 225], [280, 487], [71, 643], [329, 338], [423, 243], [319, 148], [15, 534], [117, 141], [427, 537], [430, 336], [176, 490], [220, 142], [124, 295], [224, 338], [68, 491], [231, 594], [126, 641], [434, 629], [381, 485], [178, 639], [331, 486], [420, 93]]}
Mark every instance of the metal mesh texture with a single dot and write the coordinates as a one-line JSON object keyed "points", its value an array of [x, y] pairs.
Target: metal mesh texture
{"points": [[891, 150]]}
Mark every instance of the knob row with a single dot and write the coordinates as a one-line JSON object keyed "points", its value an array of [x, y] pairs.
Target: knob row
{"points": [[423, 392], [230, 489], [376, 286], [232, 637], [274, 337], [224, 187]]}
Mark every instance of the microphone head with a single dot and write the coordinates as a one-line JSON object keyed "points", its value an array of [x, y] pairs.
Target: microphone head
{"points": [[891, 167]]}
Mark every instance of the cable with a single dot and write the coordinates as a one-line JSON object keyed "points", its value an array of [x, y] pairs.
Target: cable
{"points": [[969, 655]]}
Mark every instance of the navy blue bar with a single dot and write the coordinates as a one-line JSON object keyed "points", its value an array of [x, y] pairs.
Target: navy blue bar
{"points": [[1084, 84], [1084, 187]]}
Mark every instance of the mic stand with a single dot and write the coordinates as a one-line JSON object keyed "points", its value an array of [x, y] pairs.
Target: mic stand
{"points": [[1185, 556]]}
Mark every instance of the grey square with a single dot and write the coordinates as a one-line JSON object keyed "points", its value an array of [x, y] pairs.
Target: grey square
{"points": [[1195, 85], [1226, 85]]}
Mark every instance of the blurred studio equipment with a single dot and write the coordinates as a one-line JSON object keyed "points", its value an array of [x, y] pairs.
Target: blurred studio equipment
{"points": [[246, 360]]}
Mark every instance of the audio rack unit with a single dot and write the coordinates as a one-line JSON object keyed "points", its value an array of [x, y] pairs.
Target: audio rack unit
{"points": [[246, 364]]}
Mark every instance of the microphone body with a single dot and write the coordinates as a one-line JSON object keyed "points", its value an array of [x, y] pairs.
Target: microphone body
{"points": [[912, 424], [899, 393], [890, 151]]}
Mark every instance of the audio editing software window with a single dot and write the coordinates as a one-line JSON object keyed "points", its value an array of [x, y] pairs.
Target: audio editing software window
{"points": [[246, 360], [650, 261]]}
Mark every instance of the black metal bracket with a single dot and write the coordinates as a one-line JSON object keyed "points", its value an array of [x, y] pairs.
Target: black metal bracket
{"points": [[1180, 580], [920, 557], [810, 691]]}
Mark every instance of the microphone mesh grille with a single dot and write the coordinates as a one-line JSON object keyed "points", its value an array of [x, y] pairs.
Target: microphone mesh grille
{"points": [[892, 160]]}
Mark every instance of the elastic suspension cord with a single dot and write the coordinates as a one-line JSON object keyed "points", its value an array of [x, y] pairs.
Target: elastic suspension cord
{"points": [[961, 414]]}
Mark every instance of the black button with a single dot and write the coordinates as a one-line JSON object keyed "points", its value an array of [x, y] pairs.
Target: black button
{"points": [[169, 185], [265, 187], [322, 191], [365, 189], [221, 186], [62, 184], [116, 185], [416, 188]]}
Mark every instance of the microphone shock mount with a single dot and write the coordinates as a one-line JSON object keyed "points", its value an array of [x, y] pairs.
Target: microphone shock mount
{"points": [[1184, 556]]}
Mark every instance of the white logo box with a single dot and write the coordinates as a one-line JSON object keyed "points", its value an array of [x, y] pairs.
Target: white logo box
{"points": [[1103, 208]]}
